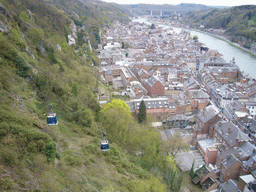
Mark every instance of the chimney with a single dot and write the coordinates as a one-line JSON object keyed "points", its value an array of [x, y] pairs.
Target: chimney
{"points": [[229, 130], [137, 90]]}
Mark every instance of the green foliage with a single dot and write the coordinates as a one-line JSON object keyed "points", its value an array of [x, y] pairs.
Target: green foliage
{"points": [[16, 37], [142, 115], [195, 38], [24, 15], [9, 156], [74, 89], [78, 23], [6, 183], [152, 26], [35, 35], [7, 50], [28, 145], [21, 66], [50, 151], [118, 105], [173, 176], [191, 173], [239, 22]]}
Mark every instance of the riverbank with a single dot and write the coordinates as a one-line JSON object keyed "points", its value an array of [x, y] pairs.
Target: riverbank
{"points": [[223, 38]]}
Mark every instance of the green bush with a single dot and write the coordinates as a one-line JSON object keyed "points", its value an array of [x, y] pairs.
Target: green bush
{"points": [[35, 35], [6, 49], [16, 37], [90, 148], [73, 160], [50, 151], [6, 183], [9, 156], [22, 66]]}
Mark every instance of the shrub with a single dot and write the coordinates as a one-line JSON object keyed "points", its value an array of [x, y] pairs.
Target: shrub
{"points": [[9, 157], [50, 151], [73, 160], [6, 49], [17, 39], [36, 35], [6, 183], [21, 66]]}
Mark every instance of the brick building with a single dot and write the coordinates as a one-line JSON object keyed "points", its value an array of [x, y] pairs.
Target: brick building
{"points": [[205, 118], [228, 134], [156, 108], [154, 86], [230, 168]]}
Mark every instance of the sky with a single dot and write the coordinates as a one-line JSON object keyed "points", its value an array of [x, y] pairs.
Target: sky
{"points": [[176, 2]]}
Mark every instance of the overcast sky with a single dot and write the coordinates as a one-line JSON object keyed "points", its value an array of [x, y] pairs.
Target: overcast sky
{"points": [[176, 2]]}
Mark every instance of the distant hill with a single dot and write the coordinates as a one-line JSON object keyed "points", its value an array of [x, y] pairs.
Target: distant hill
{"points": [[167, 9], [239, 22]]}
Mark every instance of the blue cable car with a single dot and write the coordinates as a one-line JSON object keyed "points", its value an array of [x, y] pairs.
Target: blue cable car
{"points": [[104, 145], [51, 117]]}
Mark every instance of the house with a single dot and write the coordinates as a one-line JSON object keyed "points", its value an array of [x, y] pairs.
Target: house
{"points": [[208, 150], [214, 61], [244, 180], [205, 118], [251, 107], [197, 94], [136, 90], [191, 84], [230, 185], [251, 91], [230, 168], [228, 134], [235, 110], [127, 76], [143, 74], [154, 86], [206, 178], [248, 125], [225, 97]]}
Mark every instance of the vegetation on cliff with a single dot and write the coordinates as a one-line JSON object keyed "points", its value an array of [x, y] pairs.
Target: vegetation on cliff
{"points": [[39, 66]]}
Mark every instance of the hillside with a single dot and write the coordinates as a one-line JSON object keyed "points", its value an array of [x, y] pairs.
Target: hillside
{"points": [[47, 56], [167, 9], [238, 22]]}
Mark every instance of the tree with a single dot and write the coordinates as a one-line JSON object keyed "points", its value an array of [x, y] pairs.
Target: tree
{"points": [[152, 26], [195, 38], [173, 145], [142, 115]]}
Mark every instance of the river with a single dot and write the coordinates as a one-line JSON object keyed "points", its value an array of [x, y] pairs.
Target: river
{"points": [[244, 60]]}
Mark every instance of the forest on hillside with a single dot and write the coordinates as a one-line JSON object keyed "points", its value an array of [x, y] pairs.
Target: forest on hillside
{"points": [[40, 67], [238, 22]]}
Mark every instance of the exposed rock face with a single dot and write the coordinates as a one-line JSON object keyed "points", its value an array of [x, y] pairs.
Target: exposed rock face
{"points": [[72, 37], [5, 11], [3, 28], [71, 40], [73, 29], [30, 15], [58, 47], [253, 48]]}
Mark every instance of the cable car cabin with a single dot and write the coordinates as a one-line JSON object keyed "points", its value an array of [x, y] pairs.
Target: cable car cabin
{"points": [[52, 119], [104, 145]]}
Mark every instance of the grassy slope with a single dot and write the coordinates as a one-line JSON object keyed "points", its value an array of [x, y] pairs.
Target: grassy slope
{"points": [[65, 79]]}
